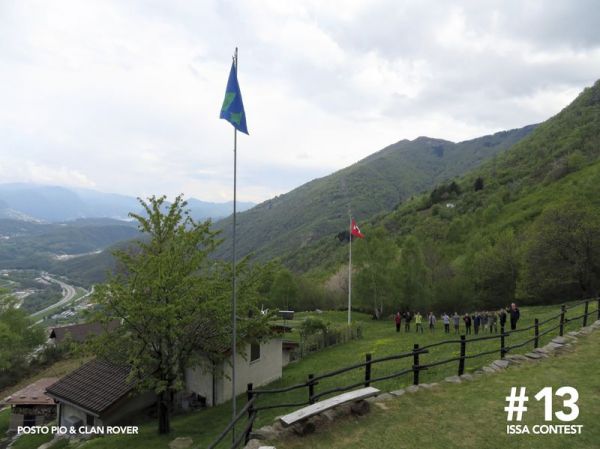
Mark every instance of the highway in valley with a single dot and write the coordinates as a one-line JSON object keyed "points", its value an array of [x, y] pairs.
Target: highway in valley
{"points": [[69, 292]]}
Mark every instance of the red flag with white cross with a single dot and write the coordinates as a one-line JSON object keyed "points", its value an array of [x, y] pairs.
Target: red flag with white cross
{"points": [[355, 231]]}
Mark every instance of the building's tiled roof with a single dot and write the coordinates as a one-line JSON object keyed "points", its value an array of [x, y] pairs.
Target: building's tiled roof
{"points": [[33, 394], [79, 332], [94, 387]]}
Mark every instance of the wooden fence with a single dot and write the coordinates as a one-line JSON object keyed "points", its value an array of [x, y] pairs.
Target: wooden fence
{"points": [[324, 339], [251, 409]]}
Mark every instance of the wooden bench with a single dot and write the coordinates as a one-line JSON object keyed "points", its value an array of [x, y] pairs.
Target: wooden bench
{"points": [[319, 407]]}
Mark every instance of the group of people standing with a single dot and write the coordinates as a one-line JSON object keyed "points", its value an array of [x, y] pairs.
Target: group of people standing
{"points": [[476, 321]]}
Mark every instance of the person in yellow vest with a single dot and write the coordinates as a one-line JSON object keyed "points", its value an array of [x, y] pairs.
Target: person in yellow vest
{"points": [[419, 322]]}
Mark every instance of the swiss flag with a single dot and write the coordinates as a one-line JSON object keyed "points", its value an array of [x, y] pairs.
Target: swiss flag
{"points": [[355, 231]]}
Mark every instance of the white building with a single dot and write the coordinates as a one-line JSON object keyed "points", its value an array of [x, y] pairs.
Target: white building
{"points": [[259, 364]]}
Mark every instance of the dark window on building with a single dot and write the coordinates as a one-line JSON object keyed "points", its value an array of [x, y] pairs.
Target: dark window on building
{"points": [[28, 420], [254, 351], [89, 420]]}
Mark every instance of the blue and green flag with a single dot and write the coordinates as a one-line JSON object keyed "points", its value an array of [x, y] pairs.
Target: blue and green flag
{"points": [[233, 106]]}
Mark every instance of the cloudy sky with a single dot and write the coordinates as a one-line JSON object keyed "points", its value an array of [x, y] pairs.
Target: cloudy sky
{"points": [[123, 96]]}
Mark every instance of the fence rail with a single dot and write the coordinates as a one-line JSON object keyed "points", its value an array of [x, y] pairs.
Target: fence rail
{"points": [[251, 409]]}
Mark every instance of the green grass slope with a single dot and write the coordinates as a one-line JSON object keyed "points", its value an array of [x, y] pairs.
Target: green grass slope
{"points": [[471, 415], [379, 339]]}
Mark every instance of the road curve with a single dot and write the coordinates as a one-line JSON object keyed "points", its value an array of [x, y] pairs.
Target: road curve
{"points": [[68, 292]]}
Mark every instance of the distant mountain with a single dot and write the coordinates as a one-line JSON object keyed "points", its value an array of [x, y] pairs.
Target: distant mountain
{"points": [[41, 203], [201, 210], [62, 237], [377, 184], [71, 231], [31, 202], [25, 244]]}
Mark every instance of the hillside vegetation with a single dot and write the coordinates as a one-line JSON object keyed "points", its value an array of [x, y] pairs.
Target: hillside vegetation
{"points": [[378, 183], [63, 248], [525, 226], [286, 227]]}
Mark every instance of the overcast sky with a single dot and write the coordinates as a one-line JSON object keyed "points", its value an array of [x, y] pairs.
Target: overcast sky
{"points": [[123, 96]]}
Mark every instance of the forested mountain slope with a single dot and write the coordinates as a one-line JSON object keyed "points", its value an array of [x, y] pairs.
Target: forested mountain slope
{"points": [[373, 185], [524, 226]]}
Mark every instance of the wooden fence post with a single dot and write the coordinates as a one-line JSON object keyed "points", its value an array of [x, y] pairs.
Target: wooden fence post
{"points": [[536, 342], [463, 350], [416, 364], [502, 335], [249, 394], [585, 313], [311, 389], [368, 370], [562, 320]]}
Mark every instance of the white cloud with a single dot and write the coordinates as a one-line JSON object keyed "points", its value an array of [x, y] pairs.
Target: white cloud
{"points": [[124, 96], [29, 171]]}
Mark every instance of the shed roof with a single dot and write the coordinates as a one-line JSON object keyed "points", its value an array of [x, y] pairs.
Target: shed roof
{"points": [[94, 386], [79, 332], [33, 394]]}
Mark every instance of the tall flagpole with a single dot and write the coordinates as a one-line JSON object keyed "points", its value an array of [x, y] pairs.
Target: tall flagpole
{"points": [[350, 278], [234, 290]]}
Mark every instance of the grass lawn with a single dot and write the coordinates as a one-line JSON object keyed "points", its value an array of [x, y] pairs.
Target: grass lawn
{"points": [[379, 338], [57, 369], [31, 441], [4, 421], [25, 442], [471, 414]]}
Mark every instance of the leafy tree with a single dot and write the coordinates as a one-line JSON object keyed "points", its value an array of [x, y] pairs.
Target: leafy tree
{"points": [[173, 302], [336, 287], [284, 291], [414, 277], [445, 281], [496, 269], [375, 261], [562, 253], [18, 338], [478, 185], [311, 326], [576, 160], [313, 295], [454, 188], [454, 292]]}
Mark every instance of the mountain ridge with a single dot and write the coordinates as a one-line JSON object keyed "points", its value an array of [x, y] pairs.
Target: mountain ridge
{"points": [[523, 227], [375, 184]]}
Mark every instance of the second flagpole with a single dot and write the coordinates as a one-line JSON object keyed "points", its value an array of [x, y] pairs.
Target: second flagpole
{"points": [[350, 277]]}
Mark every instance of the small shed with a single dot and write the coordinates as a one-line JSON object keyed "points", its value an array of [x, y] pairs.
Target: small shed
{"points": [[31, 406], [97, 394], [286, 314]]}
